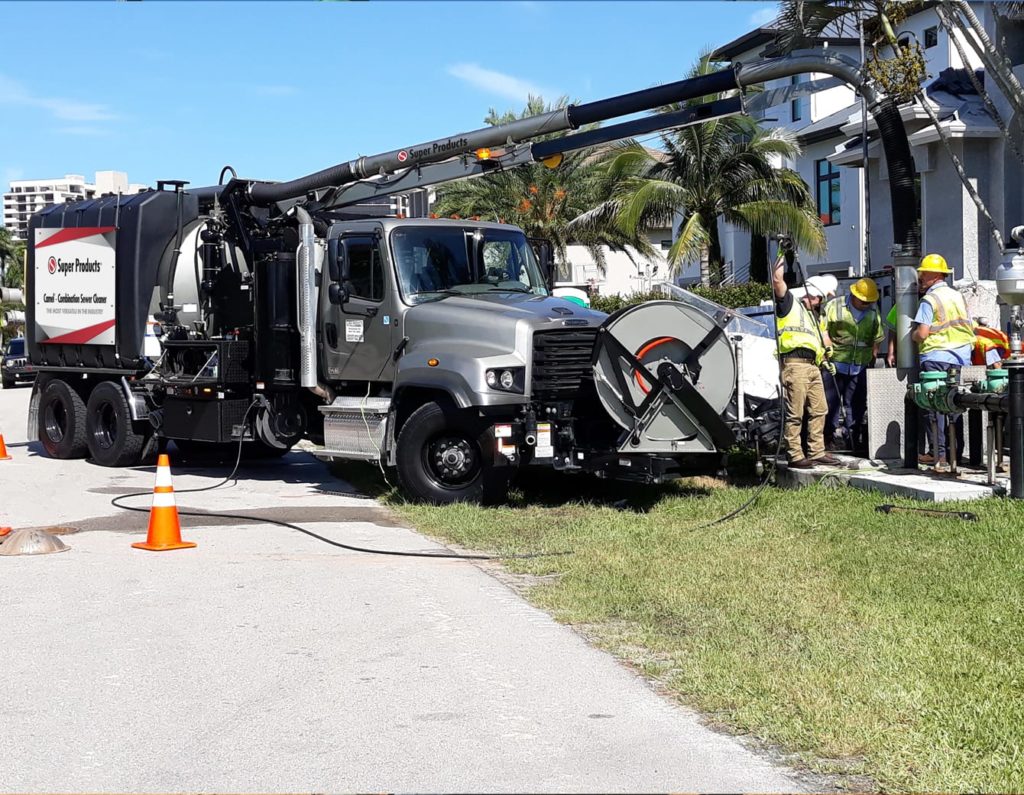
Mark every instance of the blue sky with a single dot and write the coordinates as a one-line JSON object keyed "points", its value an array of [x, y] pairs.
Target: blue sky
{"points": [[176, 90]]}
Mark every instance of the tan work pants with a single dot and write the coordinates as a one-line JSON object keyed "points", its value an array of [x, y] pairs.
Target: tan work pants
{"points": [[805, 395]]}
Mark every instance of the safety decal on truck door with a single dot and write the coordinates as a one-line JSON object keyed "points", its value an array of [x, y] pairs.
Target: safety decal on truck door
{"points": [[353, 331], [74, 285]]}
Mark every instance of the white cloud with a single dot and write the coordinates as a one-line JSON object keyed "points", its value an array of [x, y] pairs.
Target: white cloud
{"points": [[13, 93], [498, 83], [274, 90], [763, 16]]}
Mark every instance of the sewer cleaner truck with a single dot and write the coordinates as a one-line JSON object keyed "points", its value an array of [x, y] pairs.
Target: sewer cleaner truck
{"points": [[261, 314]]}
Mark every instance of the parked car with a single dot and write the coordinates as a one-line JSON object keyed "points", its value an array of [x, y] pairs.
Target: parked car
{"points": [[14, 364]]}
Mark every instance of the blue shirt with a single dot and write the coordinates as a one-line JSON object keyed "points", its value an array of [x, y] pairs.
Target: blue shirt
{"points": [[925, 317]]}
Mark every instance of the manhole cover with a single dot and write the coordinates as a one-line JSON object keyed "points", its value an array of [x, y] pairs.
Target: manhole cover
{"points": [[31, 542]]}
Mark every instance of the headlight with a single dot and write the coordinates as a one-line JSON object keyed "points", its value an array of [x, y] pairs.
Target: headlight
{"points": [[507, 379]]}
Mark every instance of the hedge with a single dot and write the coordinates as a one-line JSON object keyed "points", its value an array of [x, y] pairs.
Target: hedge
{"points": [[732, 296]]}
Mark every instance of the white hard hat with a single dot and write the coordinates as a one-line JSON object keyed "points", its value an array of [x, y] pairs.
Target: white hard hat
{"points": [[822, 286]]}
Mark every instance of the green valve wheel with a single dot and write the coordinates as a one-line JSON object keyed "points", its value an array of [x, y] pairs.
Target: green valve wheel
{"points": [[996, 380], [933, 379]]}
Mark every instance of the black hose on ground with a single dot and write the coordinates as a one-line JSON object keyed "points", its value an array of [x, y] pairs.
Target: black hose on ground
{"points": [[116, 502]]}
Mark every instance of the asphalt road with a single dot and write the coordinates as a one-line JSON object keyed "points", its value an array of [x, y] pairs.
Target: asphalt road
{"points": [[264, 660]]}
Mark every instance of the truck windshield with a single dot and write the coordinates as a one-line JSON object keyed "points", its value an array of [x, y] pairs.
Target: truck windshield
{"points": [[434, 262]]}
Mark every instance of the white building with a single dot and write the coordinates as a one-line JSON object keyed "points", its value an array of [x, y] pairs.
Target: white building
{"points": [[27, 196], [624, 273], [828, 124]]}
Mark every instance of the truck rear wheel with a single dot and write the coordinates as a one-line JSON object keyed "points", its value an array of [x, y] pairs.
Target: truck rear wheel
{"points": [[112, 440], [441, 460], [62, 421]]}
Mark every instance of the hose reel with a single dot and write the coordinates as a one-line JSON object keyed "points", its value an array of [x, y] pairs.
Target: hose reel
{"points": [[666, 389]]}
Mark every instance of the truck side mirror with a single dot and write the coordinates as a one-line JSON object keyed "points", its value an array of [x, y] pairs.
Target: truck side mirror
{"points": [[336, 260], [338, 270]]}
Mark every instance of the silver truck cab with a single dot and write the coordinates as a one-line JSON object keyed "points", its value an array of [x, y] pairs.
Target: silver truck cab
{"points": [[451, 361]]}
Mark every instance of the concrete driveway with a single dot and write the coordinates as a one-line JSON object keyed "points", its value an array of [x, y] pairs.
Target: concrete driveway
{"points": [[265, 660]]}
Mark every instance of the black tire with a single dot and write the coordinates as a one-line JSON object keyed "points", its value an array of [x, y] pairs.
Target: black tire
{"points": [[62, 421], [112, 440], [8, 383], [441, 459]]}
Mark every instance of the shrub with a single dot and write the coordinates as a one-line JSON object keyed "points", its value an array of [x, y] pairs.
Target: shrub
{"points": [[612, 303], [734, 295], [731, 296]]}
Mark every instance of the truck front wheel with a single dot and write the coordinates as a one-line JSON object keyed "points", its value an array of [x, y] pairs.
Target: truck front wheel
{"points": [[62, 421], [112, 440], [441, 459]]}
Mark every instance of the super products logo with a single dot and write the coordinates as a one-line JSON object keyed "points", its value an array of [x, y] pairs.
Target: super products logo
{"points": [[65, 266]]}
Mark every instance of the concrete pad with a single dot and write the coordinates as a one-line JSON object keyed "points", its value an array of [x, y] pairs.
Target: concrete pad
{"points": [[924, 487], [891, 479]]}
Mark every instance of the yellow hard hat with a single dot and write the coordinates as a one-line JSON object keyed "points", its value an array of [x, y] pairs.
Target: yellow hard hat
{"points": [[865, 289], [933, 263]]}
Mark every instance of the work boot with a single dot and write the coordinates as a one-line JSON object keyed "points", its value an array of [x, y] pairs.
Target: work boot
{"points": [[800, 463], [827, 460], [926, 458]]}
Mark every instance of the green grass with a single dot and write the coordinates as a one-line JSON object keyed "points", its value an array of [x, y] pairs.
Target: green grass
{"points": [[886, 646]]}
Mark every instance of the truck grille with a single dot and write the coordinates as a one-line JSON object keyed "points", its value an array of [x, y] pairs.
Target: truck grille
{"points": [[561, 361]]}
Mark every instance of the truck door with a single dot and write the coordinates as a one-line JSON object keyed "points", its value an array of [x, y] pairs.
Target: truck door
{"points": [[355, 313]]}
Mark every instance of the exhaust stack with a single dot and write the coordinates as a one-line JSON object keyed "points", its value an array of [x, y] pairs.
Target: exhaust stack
{"points": [[305, 257]]}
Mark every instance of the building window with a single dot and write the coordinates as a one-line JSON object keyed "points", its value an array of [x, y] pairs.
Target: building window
{"points": [[796, 106], [931, 37], [666, 245], [827, 194]]}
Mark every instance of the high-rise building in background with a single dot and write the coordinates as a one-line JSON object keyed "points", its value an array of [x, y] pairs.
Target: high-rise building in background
{"points": [[27, 196]]}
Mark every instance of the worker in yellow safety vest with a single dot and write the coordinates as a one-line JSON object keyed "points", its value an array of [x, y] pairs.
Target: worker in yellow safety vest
{"points": [[853, 326], [802, 352], [944, 333]]}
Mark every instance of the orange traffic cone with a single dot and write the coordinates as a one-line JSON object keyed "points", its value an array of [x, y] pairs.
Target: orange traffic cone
{"points": [[164, 527], [4, 456]]}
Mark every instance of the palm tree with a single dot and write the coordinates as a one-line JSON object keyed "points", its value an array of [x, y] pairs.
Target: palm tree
{"points": [[12, 254], [719, 169], [543, 201]]}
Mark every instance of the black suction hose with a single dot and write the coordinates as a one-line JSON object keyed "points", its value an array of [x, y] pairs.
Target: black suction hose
{"points": [[905, 224], [267, 192]]}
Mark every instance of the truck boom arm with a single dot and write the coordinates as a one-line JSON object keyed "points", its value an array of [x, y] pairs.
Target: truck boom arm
{"points": [[571, 117], [466, 166]]}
